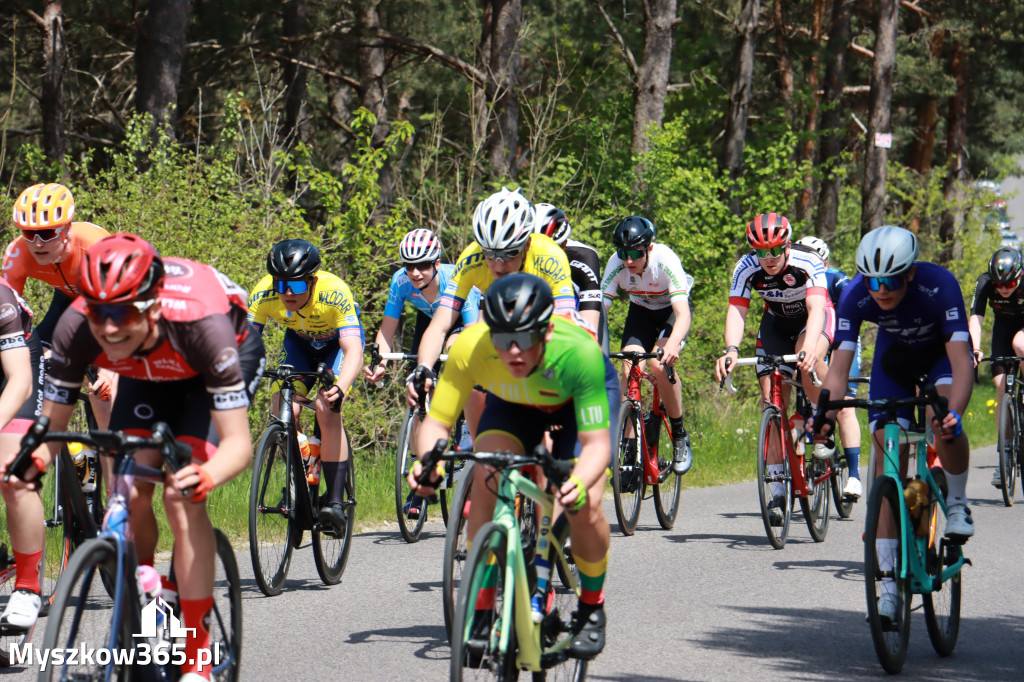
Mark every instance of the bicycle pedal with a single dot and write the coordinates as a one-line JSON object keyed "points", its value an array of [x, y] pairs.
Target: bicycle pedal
{"points": [[553, 658]]}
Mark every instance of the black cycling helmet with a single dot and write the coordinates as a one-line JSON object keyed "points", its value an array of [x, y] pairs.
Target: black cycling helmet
{"points": [[293, 259], [518, 302], [1005, 265], [633, 232]]}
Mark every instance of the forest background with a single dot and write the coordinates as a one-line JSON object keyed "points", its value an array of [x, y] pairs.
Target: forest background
{"points": [[215, 129]]}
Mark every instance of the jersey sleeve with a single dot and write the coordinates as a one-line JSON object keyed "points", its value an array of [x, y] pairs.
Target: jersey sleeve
{"points": [[13, 271], [585, 265], [739, 287], [954, 313], [12, 325], [680, 283], [848, 316], [349, 323], [210, 346], [396, 296], [471, 308], [610, 280], [74, 349], [258, 299], [981, 293], [456, 381], [549, 262], [582, 374], [463, 278]]}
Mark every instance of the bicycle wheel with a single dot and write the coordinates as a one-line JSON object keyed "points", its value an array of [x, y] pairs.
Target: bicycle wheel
{"points": [[271, 511], [669, 486], [628, 483], [56, 541], [330, 553], [772, 485], [485, 579], [837, 482], [816, 506], [1007, 446], [7, 578], [81, 616], [883, 562], [456, 543], [560, 601], [942, 606], [404, 460]]}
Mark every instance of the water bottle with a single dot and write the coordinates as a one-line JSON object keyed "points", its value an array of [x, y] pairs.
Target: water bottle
{"points": [[303, 449], [85, 466], [149, 591], [313, 463]]}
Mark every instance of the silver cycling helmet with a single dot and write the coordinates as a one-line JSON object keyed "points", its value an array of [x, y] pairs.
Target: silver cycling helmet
{"points": [[503, 220], [886, 251], [818, 245], [551, 221], [419, 246]]}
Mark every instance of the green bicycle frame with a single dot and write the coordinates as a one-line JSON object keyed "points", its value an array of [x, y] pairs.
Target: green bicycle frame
{"points": [[515, 579], [920, 581]]}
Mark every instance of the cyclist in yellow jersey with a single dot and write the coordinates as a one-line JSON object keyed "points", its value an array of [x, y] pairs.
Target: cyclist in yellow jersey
{"points": [[505, 243], [323, 325]]}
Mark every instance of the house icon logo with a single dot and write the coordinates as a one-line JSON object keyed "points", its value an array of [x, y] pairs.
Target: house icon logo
{"points": [[153, 624]]}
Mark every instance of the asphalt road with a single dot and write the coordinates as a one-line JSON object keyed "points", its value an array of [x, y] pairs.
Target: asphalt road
{"points": [[709, 599]]}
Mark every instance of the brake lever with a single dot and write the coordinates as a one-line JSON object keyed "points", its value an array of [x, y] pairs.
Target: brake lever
{"points": [[429, 461]]}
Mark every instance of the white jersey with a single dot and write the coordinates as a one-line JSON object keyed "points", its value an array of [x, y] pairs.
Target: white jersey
{"points": [[655, 288]]}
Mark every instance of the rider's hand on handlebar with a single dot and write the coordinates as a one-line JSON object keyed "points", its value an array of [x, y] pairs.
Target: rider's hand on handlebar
{"points": [[951, 427], [978, 355], [810, 357], [417, 469], [823, 433], [334, 395], [670, 354], [374, 373], [722, 368], [192, 479], [32, 474], [103, 385]]}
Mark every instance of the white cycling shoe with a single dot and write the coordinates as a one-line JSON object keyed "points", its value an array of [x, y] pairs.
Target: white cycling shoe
{"points": [[959, 524], [22, 610], [853, 489]]}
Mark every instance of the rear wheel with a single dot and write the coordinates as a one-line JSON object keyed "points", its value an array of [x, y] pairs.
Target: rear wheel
{"points": [[628, 483], [455, 547], [1008, 446], [272, 525], [883, 559], [330, 552], [837, 482], [404, 459], [775, 486], [816, 506], [669, 487]]}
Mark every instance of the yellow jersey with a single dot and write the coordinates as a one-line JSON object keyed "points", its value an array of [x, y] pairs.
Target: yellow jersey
{"points": [[330, 313], [543, 258]]}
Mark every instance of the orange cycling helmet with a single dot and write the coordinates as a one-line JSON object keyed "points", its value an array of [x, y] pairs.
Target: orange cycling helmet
{"points": [[768, 230], [119, 269], [44, 206]]}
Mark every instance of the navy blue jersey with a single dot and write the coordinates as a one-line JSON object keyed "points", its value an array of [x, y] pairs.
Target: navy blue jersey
{"points": [[837, 281], [931, 313]]}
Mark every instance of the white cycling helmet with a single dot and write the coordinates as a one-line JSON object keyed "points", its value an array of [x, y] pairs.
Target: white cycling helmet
{"points": [[419, 246], [818, 245], [551, 221], [503, 220], [886, 251]]}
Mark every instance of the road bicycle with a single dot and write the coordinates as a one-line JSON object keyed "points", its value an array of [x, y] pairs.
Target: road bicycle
{"points": [[500, 568], [919, 560], [840, 468], [1011, 421], [405, 456], [802, 476], [646, 459], [283, 504], [98, 605]]}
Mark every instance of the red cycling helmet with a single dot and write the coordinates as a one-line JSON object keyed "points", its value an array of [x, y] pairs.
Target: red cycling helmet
{"points": [[119, 269], [768, 230]]}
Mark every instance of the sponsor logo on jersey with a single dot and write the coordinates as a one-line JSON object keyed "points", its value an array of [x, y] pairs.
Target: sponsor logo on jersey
{"points": [[172, 269], [170, 365], [336, 299], [9, 342], [584, 268], [226, 358], [174, 303], [56, 394], [7, 311], [183, 288], [951, 314], [230, 400], [549, 266], [789, 279], [844, 324]]}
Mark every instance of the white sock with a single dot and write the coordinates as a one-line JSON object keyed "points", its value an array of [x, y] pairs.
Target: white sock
{"points": [[957, 486]]}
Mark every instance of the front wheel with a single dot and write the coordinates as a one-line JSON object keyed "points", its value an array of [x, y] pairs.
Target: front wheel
{"points": [[456, 543], [1008, 446], [669, 486], [478, 628], [404, 459], [942, 606], [628, 484], [226, 614], [775, 482], [884, 574], [816, 506], [272, 511], [330, 552]]}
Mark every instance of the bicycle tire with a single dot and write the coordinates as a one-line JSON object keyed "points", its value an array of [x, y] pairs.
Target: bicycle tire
{"points": [[330, 554], [1007, 446], [942, 606], [560, 601], [81, 615], [226, 615], [816, 507], [491, 540], [272, 520], [668, 491], [8, 575], [403, 464], [628, 483], [455, 549], [56, 539], [771, 419], [890, 640], [837, 482]]}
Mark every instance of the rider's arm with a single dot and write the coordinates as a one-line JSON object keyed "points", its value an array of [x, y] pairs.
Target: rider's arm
{"points": [[429, 433], [385, 335], [735, 320], [963, 375], [680, 328], [974, 325], [815, 323], [59, 415], [17, 367], [352, 347], [432, 342], [595, 453], [234, 451]]}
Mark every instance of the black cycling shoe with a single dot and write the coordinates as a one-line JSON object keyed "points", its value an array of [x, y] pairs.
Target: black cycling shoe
{"points": [[588, 624], [777, 510], [332, 520]]}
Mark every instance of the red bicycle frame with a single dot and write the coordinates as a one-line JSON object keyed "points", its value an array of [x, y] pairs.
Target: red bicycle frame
{"points": [[634, 393]]}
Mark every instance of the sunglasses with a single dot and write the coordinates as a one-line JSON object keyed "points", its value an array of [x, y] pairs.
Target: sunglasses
{"points": [[422, 266], [47, 235], [630, 254], [771, 253], [892, 283], [298, 286], [501, 254], [119, 313], [525, 340], [1008, 285]]}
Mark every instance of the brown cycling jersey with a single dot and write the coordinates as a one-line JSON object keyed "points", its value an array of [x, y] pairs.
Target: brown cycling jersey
{"points": [[202, 324], [19, 264], [15, 318]]}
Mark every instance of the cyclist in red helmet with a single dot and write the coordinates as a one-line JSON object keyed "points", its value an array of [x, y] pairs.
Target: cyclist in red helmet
{"points": [[176, 332], [798, 315]]}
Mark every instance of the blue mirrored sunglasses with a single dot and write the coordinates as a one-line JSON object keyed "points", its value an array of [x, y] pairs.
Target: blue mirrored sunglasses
{"points": [[297, 286], [525, 340], [892, 283]]}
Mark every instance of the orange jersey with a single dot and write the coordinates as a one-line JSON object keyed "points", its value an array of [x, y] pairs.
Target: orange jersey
{"points": [[19, 264]]}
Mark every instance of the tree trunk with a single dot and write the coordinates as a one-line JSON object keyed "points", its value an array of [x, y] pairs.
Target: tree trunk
{"points": [[875, 157], [832, 119], [497, 105], [803, 205], [653, 72], [956, 152], [296, 128], [159, 54], [372, 66], [785, 72], [51, 101], [739, 95]]}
